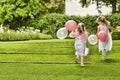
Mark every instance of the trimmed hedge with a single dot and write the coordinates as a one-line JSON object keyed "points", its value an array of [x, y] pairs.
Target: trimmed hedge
{"points": [[116, 35], [14, 36], [50, 23]]}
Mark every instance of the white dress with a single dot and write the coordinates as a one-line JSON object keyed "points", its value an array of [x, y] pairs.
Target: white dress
{"points": [[107, 44], [80, 45]]}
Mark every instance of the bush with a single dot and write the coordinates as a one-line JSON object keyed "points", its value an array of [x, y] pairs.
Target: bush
{"points": [[114, 19], [21, 34], [50, 23], [14, 36], [116, 35]]}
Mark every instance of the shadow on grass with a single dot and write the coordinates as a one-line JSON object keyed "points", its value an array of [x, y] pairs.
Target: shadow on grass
{"points": [[110, 61]]}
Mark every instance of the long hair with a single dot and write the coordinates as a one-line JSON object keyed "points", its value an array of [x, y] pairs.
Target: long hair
{"points": [[81, 28], [103, 20]]}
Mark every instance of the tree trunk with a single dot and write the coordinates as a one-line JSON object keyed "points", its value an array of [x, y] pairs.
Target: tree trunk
{"points": [[113, 2]]}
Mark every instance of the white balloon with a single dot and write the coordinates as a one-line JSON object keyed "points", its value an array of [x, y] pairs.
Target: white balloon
{"points": [[62, 33], [92, 39]]}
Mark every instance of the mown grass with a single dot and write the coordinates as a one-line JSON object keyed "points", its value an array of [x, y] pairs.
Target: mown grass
{"points": [[48, 47], [96, 70], [37, 57], [96, 58], [59, 72]]}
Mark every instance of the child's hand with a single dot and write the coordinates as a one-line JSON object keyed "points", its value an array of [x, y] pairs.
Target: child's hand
{"points": [[72, 34], [97, 35]]}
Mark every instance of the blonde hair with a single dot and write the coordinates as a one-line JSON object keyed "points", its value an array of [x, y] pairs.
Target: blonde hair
{"points": [[103, 20], [81, 28]]}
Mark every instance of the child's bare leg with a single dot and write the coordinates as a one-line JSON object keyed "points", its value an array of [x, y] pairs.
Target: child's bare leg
{"points": [[103, 55], [82, 60], [76, 60]]}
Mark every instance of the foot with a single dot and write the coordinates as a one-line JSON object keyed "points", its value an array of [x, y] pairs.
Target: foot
{"points": [[103, 58], [82, 65], [76, 61]]}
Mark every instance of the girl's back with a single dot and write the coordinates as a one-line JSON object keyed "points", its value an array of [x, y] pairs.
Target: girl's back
{"points": [[103, 28], [80, 39]]}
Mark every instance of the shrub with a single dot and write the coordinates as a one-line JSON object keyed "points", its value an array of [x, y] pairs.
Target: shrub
{"points": [[14, 36], [22, 34], [50, 23], [116, 35]]}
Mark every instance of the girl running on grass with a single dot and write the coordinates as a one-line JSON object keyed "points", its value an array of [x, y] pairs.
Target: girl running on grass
{"points": [[81, 37], [106, 45]]}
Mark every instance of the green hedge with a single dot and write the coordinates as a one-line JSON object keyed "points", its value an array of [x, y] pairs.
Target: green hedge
{"points": [[116, 35], [50, 23], [14, 36]]}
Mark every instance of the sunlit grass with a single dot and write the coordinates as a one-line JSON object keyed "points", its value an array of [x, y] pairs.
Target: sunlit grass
{"points": [[59, 72], [95, 68]]}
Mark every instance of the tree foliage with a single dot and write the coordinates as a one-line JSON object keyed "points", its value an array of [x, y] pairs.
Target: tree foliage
{"points": [[17, 13], [99, 3], [54, 6], [20, 9]]}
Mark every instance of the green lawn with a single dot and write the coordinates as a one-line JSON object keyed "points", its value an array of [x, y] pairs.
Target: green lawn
{"points": [[56, 51], [59, 72], [96, 58]]}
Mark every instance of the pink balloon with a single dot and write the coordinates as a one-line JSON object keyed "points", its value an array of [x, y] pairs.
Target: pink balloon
{"points": [[71, 25], [102, 35]]}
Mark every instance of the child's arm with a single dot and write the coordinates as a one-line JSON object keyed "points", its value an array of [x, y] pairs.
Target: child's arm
{"points": [[72, 34], [98, 30], [110, 27], [86, 37]]}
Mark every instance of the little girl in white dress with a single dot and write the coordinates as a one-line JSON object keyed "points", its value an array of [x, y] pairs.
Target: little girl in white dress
{"points": [[106, 45], [80, 42]]}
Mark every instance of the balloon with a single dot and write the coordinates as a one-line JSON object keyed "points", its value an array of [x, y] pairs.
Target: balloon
{"points": [[62, 33], [102, 35], [92, 39], [71, 25]]}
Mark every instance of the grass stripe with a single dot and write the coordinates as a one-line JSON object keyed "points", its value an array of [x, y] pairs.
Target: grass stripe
{"points": [[48, 47], [38, 62], [59, 72], [111, 58]]}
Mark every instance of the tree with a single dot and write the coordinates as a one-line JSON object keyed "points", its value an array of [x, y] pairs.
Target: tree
{"points": [[16, 13], [100, 3], [113, 4], [12, 11], [54, 6], [85, 3]]}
